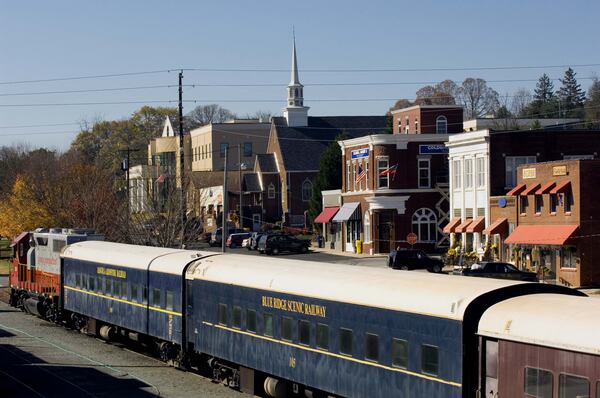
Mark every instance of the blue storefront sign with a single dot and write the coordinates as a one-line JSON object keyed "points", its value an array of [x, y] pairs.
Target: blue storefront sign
{"points": [[360, 153], [433, 149]]}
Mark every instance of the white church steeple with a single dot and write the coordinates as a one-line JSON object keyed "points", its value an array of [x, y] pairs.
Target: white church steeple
{"points": [[295, 113]]}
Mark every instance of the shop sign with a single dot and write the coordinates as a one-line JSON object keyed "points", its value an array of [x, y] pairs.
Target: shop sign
{"points": [[433, 149], [529, 173], [360, 153], [559, 171]]}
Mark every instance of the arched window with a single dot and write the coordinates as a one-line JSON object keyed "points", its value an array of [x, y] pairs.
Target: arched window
{"points": [[441, 125], [306, 190], [367, 227], [271, 191], [424, 224]]}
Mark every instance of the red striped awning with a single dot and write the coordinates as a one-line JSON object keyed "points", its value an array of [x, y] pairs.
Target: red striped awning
{"points": [[545, 188], [477, 226], [326, 215], [530, 190], [542, 234], [463, 227], [500, 226], [451, 226], [516, 190], [562, 187]]}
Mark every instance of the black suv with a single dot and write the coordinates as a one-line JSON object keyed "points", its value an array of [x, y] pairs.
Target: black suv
{"points": [[409, 259], [275, 244]]}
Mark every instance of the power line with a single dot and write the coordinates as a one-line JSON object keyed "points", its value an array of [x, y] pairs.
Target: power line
{"points": [[91, 90], [38, 125], [58, 79]]}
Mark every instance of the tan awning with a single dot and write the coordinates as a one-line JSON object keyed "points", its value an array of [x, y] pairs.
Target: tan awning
{"points": [[451, 226], [477, 226], [500, 226], [463, 227]]}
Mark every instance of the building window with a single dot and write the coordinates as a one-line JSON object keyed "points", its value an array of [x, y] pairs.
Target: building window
{"points": [[383, 179], [429, 359], [568, 257], [553, 203], [456, 174], [468, 173], [372, 347], [354, 176], [348, 177], [424, 173], [441, 125], [322, 336], [224, 148], [306, 190], [400, 353], [524, 204], [424, 224], [271, 191], [573, 386], [538, 383], [511, 164], [367, 228], [407, 125], [416, 125], [539, 203], [346, 341], [304, 332], [480, 170], [247, 149], [568, 199]]}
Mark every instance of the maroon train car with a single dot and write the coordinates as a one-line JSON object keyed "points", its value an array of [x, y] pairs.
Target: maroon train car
{"points": [[541, 345]]}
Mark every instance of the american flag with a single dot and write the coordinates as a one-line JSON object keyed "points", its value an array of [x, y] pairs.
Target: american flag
{"points": [[360, 174], [390, 170]]}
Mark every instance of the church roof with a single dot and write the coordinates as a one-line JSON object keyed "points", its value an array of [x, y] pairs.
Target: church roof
{"points": [[301, 147], [251, 183], [266, 162]]}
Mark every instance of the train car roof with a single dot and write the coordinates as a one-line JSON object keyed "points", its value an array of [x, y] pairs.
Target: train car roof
{"points": [[159, 259], [445, 296], [551, 320]]}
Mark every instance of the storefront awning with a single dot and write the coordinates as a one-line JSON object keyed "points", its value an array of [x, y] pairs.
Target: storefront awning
{"points": [[451, 226], [500, 226], [347, 212], [562, 187], [542, 234], [530, 190], [326, 215], [545, 188], [477, 226], [463, 226], [516, 190]]}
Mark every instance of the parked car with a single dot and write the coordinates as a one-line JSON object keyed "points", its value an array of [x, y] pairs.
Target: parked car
{"points": [[488, 269], [236, 239], [410, 259], [246, 242], [253, 240], [217, 236], [275, 244]]}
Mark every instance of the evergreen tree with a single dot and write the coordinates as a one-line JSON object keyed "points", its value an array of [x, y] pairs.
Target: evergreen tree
{"points": [[570, 94], [592, 105], [329, 176], [544, 89]]}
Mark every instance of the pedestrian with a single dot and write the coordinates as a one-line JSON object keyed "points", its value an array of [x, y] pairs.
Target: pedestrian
{"points": [[319, 240]]}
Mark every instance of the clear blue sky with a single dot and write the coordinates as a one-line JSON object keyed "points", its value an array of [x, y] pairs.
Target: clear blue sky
{"points": [[43, 40]]}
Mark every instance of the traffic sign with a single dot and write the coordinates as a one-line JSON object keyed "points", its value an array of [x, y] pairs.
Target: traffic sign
{"points": [[412, 238]]}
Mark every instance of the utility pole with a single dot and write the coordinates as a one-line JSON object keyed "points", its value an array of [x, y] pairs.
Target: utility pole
{"points": [[125, 167], [182, 198], [224, 208], [241, 193]]}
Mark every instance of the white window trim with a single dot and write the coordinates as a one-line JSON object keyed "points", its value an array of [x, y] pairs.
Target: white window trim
{"points": [[479, 172], [439, 119], [468, 177], [377, 159]]}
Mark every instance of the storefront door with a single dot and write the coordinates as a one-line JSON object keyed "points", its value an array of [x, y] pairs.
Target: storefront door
{"points": [[384, 229]]}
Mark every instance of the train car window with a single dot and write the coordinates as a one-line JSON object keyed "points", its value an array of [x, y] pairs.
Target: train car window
{"points": [[84, 280], [145, 295], [429, 359], [100, 284], [156, 298], [538, 383], [222, 314], [372, 347], [77, 280], [251, 321], [322, 336], [57, 245], [116, 288], [124, 290], [108, 287], [236, 320], [169, 300], [573, 386], [268, 324], [400, 353], [286, 328], [346, 341], [92, 284], [134, 292], [304, 332]]}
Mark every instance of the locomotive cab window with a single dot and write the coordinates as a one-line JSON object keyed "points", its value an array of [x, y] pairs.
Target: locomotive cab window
{"points": [[372, 347], [573, 386], [236, 320], [156, 298], [286, 328], [429, 359], [322, 336], [346, 341], [169, 300], [304, 332], [400, 353], [251, 321], [223, 314], [538, 383], [268, 325]]}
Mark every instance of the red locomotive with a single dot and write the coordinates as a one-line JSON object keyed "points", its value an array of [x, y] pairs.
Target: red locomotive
{"points": [[35, 271]]}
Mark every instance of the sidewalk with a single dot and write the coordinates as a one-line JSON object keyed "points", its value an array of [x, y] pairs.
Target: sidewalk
{"points": [[334, 252]]}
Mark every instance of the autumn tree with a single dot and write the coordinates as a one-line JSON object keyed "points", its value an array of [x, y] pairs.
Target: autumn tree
{"points": [[22, 211]]}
